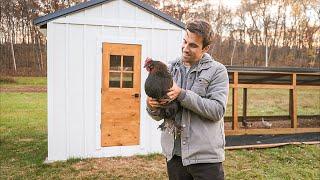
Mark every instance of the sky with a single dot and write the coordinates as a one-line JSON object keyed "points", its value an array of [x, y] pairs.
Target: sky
{"points": [[232, 4]]}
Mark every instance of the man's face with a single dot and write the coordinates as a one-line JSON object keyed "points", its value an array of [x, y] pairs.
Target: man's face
{"points": [[192, 48]]}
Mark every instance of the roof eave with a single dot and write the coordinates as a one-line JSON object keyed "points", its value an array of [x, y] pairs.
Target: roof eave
{"points": [[158, 13], [40, 21], [44, 19]]}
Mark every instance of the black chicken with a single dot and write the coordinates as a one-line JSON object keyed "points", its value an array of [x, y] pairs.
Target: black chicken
{"points": [[157, 84]]}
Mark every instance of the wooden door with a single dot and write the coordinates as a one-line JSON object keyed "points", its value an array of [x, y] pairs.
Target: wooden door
{"points": [[120, 118]]}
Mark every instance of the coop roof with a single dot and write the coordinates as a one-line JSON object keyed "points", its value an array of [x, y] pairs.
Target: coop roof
{"points": [[42, 21]]}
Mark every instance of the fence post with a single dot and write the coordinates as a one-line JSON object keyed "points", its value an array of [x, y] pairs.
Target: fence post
{"points": [[235, 124], [293, 102]]}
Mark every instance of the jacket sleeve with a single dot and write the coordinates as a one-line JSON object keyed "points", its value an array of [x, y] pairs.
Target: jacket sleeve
{"points": [[213, 105]]}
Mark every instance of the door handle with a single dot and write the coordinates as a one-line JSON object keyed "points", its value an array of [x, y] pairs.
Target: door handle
{"points": [[136, 95]]}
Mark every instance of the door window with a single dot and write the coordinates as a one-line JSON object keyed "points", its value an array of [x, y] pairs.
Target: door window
{"points": [[121, 71]]}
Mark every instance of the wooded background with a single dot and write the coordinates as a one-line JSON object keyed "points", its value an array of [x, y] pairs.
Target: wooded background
{"points": [[289, 28]]}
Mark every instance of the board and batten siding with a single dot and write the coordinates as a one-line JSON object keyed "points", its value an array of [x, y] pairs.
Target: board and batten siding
{"points": [[74, 75]]}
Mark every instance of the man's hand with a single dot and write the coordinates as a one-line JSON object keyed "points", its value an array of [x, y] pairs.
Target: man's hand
{"points": [[154, 104], [174, 91]]}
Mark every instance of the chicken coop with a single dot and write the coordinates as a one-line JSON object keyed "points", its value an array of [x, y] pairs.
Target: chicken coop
{"points": [[96, 52]]}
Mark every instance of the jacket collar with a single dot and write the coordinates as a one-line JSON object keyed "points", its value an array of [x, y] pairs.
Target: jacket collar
{"points": [[203, 62]]}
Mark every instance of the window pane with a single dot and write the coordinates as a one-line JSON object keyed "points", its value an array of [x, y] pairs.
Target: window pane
{"points": [[115, 62], [127, 81], [114, 79], [128, 63]]}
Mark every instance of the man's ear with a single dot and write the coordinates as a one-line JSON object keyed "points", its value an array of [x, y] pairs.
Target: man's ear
{"points": [[206, 49]]}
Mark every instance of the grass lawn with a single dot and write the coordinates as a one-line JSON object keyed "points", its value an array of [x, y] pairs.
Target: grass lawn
{"points": [[22, 81], [23, 148]]}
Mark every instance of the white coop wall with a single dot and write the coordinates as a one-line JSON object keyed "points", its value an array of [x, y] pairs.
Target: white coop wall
{"points": [[74, 75]]}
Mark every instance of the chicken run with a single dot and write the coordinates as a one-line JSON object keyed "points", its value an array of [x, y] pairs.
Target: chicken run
{"points": [[291, 79]]}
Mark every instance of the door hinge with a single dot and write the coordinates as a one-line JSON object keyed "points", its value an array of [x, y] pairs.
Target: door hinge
{"points": [[101, 90], [102, 50]]}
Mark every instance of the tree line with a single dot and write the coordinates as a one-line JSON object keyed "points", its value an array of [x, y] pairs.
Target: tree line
{"points": [[22, 45], [273, 33], [281, 32]]}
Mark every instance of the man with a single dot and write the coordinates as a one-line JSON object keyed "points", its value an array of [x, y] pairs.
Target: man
{"points": [[201, 87]]}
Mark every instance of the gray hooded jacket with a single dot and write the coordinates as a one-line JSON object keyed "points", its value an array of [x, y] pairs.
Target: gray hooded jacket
{"points": [[203, 101]]}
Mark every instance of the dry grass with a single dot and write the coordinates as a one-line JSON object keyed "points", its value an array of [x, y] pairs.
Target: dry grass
{"points": [[137, 167]]}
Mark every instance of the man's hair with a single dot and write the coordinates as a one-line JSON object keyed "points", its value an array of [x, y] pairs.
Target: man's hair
{"points": [[201, 28]]}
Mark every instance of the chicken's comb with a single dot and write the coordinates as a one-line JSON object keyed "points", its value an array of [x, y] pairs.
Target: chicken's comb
{"points": [[147, 61]]}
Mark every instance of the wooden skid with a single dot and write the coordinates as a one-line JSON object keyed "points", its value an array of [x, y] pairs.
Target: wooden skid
{"points": [[270, 131]]}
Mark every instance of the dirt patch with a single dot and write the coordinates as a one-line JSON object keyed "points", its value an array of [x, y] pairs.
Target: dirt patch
{"points": [[23, 89], [124, 168]]}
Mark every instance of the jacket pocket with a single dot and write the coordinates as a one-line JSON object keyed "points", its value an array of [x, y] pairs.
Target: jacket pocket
{"points": [[200, 86]]}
